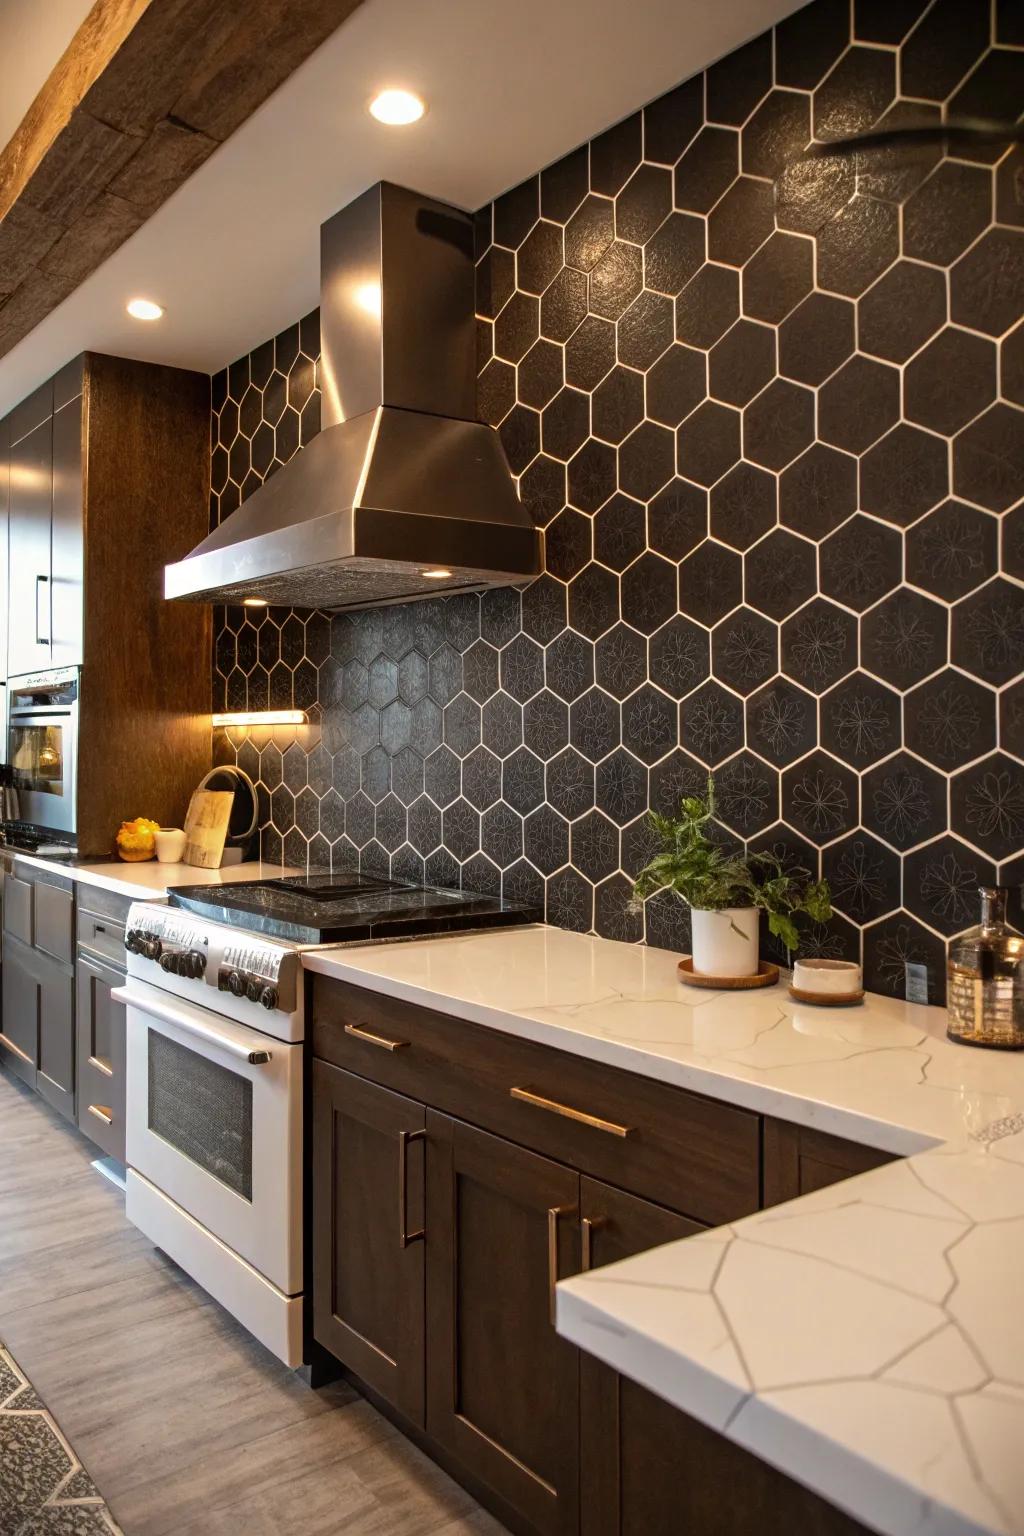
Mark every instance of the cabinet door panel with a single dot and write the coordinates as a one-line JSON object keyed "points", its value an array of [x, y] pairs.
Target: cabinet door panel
{"points": [[30, 513], [67, 548], [19, 1041], [799, 1159], [18, 908], [55, 1080], [100, 1029], [54, 922], [618, 1493], [367, 1270], [503, 1388]]}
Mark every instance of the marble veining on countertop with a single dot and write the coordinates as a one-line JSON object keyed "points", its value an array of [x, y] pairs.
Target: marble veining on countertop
{"points": [[867, 1339]]}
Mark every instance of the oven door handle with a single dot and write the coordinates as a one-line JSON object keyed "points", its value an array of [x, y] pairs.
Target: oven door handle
{"points": [[257, 1058]]}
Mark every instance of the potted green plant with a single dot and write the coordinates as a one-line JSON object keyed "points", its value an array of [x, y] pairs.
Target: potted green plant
{"points": [[726, 891]]}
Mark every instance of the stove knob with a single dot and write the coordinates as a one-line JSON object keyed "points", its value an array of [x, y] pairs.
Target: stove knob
{"points": [[253, 988], [150, 947], [171, 961], [236, 983], [197, 963], [131, 941], [268, 997]]}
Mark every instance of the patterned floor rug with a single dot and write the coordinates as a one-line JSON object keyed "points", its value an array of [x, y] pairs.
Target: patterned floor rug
{"points": [[44, 1489]]}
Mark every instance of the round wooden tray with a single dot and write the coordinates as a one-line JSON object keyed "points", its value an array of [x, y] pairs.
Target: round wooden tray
{"points": [[767, 976], [826, 999]]}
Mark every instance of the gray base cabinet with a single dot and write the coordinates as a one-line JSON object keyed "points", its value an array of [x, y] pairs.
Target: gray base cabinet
{"points": [[101, 1055], [39, 1024]]}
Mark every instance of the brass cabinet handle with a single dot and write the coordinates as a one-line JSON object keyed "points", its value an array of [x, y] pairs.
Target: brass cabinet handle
{"points": [[102, 1113], [6, 1039], [362, 1033], [554, 1212], [101, 1066], [405, 1237], [589, 1225], [527, 1096]]}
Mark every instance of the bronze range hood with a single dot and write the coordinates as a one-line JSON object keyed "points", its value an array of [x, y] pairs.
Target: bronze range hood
{"points": [[403, 493]]}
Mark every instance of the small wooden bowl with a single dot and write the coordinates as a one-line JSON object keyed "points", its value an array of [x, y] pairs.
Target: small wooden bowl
{"points": [[827, 999], [767, 976]]}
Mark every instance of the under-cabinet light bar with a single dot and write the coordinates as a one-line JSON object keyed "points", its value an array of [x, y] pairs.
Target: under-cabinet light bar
{"points": [[261, 717]]}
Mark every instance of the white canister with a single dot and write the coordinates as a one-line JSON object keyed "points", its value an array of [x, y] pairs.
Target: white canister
{"points": [[831, 978], [170, 845], [725, 942]]}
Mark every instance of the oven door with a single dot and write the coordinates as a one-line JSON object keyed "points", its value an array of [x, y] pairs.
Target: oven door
{"points": [[214, 1121], [42, 749]]}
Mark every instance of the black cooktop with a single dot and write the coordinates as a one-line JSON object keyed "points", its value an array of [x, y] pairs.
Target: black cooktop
{"points": [[334, 909]]}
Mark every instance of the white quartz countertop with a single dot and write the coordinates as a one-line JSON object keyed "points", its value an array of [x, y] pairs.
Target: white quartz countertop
{"points": [[150, 880], [868, 1340]]}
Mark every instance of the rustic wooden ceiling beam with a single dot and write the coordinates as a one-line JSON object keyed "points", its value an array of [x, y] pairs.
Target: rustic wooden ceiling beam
{"points": [[144, 93]]}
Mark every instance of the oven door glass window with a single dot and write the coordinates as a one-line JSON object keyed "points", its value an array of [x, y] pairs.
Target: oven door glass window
{"points": [[202, 1109], [37, 756]]}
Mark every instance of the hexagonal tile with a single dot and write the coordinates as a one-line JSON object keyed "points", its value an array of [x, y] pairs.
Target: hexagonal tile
{"points": [[643, 204], [743, 505], [569, 665], [564, 304], [539, 380], [649, 720], [711, 723], [709, 166], [546, 839], [406, 775], [462, 724], [948, 383], [520, 437], [570, 901], [501, 832], [810, 190], [779, 574], [856, 246], [522, 781], [947, 213], [740, 222], [616, 279], [778, 277], [987, 806], [820, 797], [592, 475], [819, 645], [781, 722], [779, 424], [1011, 718], [863, 876], [621, 660], [744, 650], [816, 338], [649, 592], [674, 253], [539, 257], [860, 721], [988, 632], [679, 656], [708, 442], [594, 724], [1011, 365], [742, 363], [481, 778], [567, 546], [515, 212], [776, 133], [390, 823], [901, 311], [502, 723], [677, 519], [645, 330], [736, 83], [675, 385], [952, 550], [563, 185], [570, 783], [589, 232], [904, 474], [940, 884], [858, 404], [618, 404], [516, 327], [818, 492], [619, 532], [708, 305], [615, 154], [461, 824], [988, 458], [893, 943], [589, 352], [544, 609], [904, 638], [903, 801], [747, 794], [950, 719], [861, 562], [621, 783], [593, 600], [986, 284], [565, 423], [443, 776], [545, 724], [671, 121], [646, 460], [710, 582]]}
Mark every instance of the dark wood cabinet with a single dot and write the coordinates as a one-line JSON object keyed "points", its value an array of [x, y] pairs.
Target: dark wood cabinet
{"points": [[31, 473], [368, 1296], [503, 1387], [799, 1159], [100, 1033]]}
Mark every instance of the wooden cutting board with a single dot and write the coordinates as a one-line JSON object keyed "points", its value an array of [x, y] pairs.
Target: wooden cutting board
{"points": [[206, 827]]}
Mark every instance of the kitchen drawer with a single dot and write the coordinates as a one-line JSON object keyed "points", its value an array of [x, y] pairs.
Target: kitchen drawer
{"points": [[53, 921], [93, 898], [100, 1023], [101, 935], [18, 908], [694, 1155]]}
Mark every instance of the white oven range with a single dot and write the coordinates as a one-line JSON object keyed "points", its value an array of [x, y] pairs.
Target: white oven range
{"points": [[214, 1112]]}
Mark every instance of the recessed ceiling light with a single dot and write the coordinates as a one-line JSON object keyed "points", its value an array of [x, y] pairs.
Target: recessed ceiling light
{"points": [[436, 572], [397, 108], [144, 309], [254, 602]]}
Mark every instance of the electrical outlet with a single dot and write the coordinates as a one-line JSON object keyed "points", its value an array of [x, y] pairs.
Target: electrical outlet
{"points": [[917, 982]]}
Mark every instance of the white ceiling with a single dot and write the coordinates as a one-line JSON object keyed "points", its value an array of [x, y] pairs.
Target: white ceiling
{"points": [[33, 35], [233, 254]]}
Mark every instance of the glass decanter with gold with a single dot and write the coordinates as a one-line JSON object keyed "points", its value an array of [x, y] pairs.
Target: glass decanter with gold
{"points": [[985, 993]]}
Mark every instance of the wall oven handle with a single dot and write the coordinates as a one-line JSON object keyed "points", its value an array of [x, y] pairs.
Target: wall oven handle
{"points": [[257, 1058], [40, 639]]}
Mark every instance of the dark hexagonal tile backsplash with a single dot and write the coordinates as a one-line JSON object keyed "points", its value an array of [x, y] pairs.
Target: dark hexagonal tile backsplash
{"points": [[768, 413]]}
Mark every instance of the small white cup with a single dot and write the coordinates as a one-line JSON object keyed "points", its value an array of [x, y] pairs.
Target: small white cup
{"points": [[833, 978], [170, 845]]}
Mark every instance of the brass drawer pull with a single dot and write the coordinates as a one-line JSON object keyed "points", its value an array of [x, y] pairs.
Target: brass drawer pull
{"points": [[6, 1040], [527, 1096], [101, 1066], [404, 1236], [102, 1113], [554, 1212], [362, 1033]]}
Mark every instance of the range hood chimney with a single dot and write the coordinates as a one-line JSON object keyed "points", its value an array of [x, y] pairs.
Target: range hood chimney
{"points": [[402, 479]]}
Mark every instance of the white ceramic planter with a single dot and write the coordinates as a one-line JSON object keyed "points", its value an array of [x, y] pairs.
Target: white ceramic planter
{"points": [[725, 942]]}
